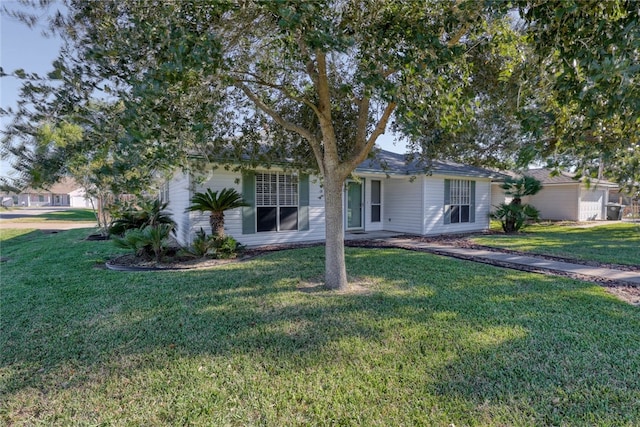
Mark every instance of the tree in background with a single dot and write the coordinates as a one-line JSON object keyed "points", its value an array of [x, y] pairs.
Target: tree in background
{"points": [[86, 144], [583, 75]]}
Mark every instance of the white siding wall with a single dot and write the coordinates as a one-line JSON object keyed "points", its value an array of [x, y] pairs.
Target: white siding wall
{"points": [[79, 199], [414, 207], [557, 202], [79, 202], [179, 199], [498, 196], [434, 207], [220, 179], [592, 203], [403, 204]]}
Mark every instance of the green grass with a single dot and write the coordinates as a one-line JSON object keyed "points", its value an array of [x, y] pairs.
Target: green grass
{"points": [[617, 243], [61, 215], [11, 233], [435, 341], [70, 215]]}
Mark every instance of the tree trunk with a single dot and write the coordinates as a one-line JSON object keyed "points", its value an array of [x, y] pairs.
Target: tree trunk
{"points": [[335, 275], [509, 225], [216, 219]]}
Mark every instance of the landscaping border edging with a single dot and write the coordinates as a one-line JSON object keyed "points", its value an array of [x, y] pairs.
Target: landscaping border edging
{"points": [[117, 267]]}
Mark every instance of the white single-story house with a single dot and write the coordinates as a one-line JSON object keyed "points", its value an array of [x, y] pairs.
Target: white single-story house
{"points": [[562, 197], [67, 193], [287, 207], [6, 200]]}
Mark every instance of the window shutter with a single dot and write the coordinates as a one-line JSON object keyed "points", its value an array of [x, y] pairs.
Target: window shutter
{"points": [[249, 196], [472, 203], [447, 201], [303, 203]]}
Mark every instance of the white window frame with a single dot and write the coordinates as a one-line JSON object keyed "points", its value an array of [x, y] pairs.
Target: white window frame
{"points": [[459, 199], [277, 190]]}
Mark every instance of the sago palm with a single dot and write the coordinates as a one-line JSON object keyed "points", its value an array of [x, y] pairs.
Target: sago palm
{"points": [[216, 203], [514, 215]]}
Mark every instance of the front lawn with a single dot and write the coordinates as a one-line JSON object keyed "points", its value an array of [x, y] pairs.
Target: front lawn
{"points": [[617, 243], [434, 341], [58, 215]]}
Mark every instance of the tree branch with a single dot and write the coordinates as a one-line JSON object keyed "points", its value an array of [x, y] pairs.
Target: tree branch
{"points": [[311, 70], [279, 88], [324, 114], [273, 113], [361, 124], [316, 146], [322, 87], [363, 152]]}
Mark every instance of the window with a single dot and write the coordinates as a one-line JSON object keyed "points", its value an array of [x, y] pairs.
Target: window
{"points": [[376, 201], [276, 202], [459, 201], [163, 194]]}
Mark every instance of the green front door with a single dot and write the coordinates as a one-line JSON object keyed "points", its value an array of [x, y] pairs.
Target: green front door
{"points": [[354, 205]]}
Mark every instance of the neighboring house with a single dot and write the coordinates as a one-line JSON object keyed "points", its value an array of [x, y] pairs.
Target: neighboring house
{"points": [[564, 198], [287, 207], [7, 200], [67, 192]]}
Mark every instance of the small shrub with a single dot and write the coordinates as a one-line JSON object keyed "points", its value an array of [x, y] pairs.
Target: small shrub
{"points": [[138, 216], [226, 247], [130, 240], [148, 241], [213, 246], [202, 245]]}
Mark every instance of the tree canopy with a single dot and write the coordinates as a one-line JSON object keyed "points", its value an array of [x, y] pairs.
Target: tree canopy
{"points": [[586, 82]]}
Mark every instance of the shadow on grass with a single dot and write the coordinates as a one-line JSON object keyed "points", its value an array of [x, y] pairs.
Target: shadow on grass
{"points": [[487, 343]]}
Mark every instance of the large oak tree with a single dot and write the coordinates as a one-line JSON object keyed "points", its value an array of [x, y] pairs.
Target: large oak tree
{"points": [[199, 77]]}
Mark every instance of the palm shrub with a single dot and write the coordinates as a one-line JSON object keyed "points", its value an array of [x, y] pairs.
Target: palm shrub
{"points": [[146, 241], [514, 216], [146, 213], [216, 203], [201, 246]]}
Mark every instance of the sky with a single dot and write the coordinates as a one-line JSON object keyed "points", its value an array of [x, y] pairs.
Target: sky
{"points": [[20, 47], [25, 48]]}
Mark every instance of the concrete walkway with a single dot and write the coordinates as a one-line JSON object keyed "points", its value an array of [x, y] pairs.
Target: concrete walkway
{"points": [[530, 261]]}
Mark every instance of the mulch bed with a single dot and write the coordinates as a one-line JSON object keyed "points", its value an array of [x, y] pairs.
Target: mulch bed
{"points": [[130, 262]]}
